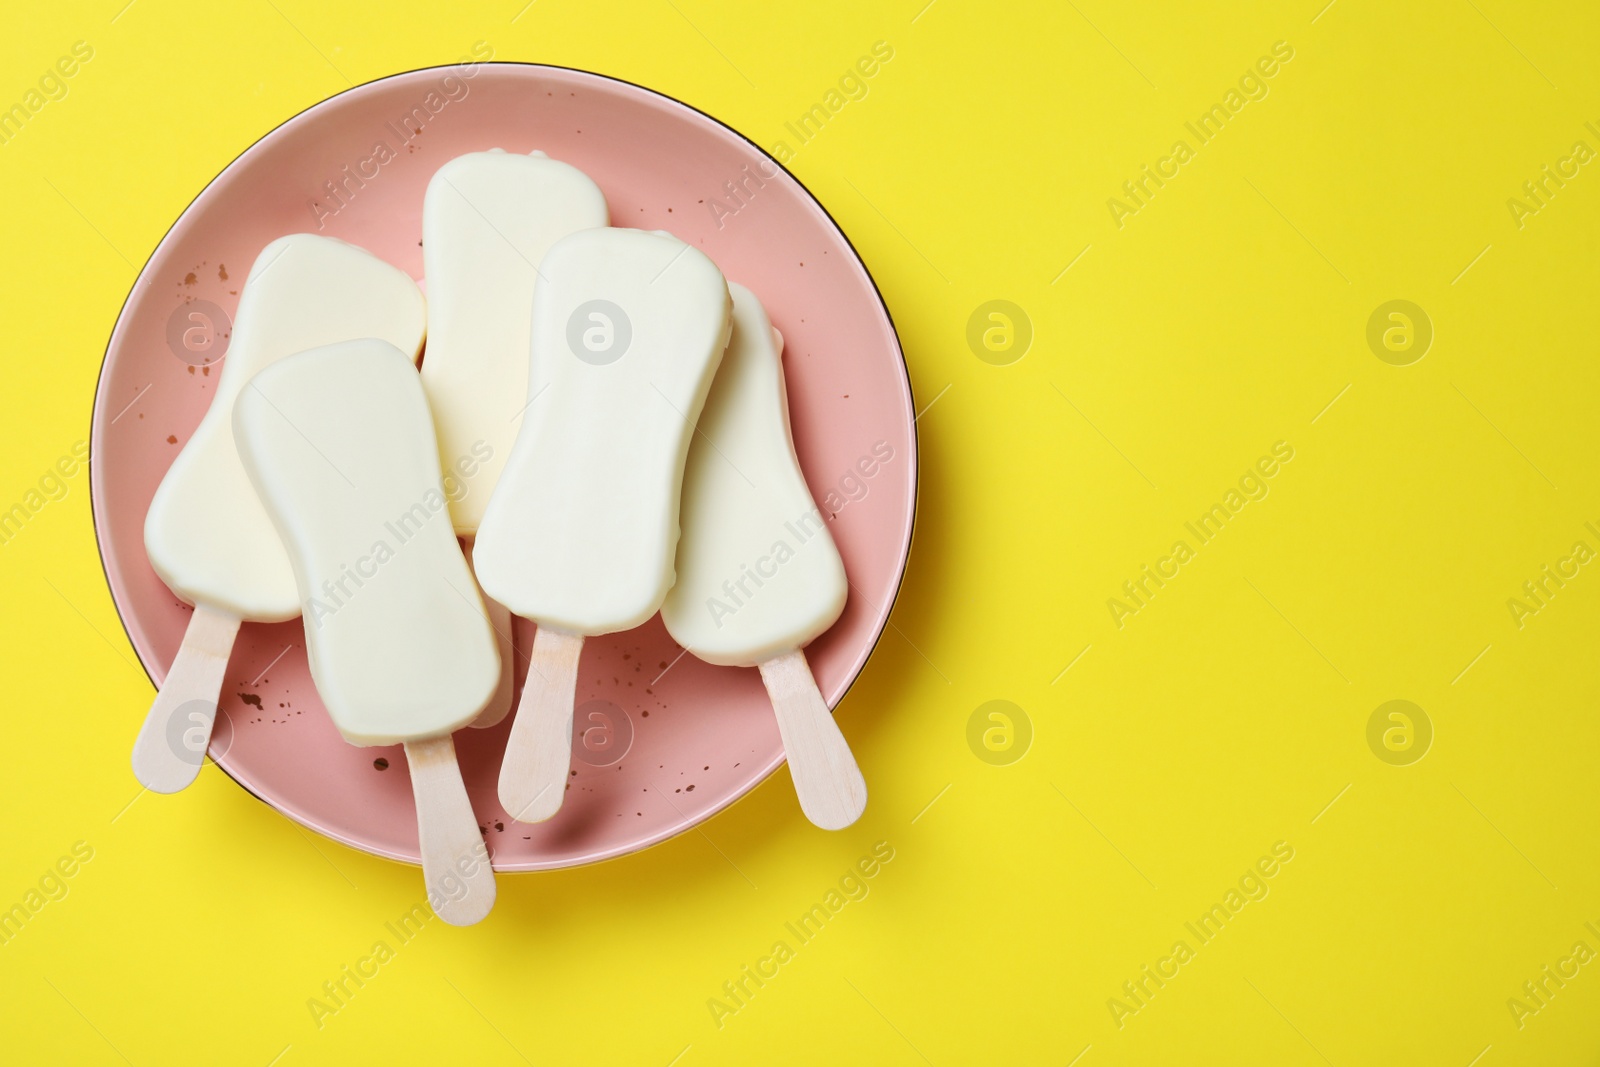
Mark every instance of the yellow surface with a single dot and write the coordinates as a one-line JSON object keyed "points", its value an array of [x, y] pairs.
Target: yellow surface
{"points": [[1229, 713]]}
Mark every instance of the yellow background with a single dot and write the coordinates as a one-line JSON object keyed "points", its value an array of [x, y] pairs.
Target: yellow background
{"points": [[1223, 717]]}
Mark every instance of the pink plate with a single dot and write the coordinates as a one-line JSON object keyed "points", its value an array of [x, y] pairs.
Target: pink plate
{"points": [[664, 742]]}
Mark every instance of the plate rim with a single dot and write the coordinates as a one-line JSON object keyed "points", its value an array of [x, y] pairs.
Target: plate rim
{"points": [[684, 824]]}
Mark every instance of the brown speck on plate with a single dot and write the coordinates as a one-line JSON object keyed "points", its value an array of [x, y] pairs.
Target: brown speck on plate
{"points": [[172, 439], [381, 763], [250, 698]]}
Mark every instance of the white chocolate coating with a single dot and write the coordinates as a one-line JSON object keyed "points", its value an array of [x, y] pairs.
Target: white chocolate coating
{"points": [[339, 443], [628, 328], [758, 572], [487, 220], [206, 533]]}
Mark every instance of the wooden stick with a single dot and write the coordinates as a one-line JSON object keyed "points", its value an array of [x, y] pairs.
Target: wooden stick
{"points": [[171, 745], [455, 861], [499, 705], [832, 792], [533, 776]]}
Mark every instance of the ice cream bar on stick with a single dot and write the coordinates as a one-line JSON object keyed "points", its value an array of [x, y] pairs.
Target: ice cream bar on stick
{"points": [[339, 444], [628, 328], [758, 573], [488, 218], [206, 532]]}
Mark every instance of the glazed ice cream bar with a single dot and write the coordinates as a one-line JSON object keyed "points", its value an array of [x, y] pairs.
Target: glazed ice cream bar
{"points": [[758, 573], [206, 532], [628, 328], [339, 444], [488, 218]]}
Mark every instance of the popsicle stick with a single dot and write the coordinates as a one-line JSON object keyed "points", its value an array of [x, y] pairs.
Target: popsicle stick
{"points": [[832, 792], [499, 705], [533, 777], [455, 861], [171, 745]]}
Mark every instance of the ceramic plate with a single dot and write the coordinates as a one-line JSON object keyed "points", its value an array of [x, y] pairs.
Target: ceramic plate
{"points": [[662, 741]]}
